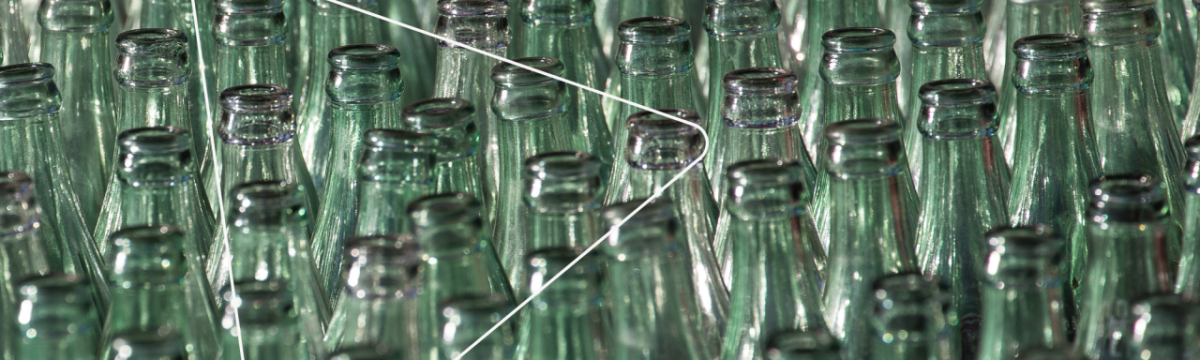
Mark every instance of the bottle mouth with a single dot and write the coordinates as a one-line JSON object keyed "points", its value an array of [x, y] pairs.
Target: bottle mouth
{"points": [[55, 287], [149, 344], [1050, 46], [154, 140], [1127, 199], [438, 113], [654, 29], [259, 302], [548, 262], [444, 209], [764, 172], [162, 43], [364, 57], [364, 352], [659, 143], [382, 253], [473, 312], [946, 6], [731, 18], [858, 39], [256, 98], [957, 109], [509, 75], [660, 210], [863, 131], [259, 195], [817, 344], [19, 212], [911, 303], [759, 81], [562, 166], [957, 92], [1024, 241], [230, 7], [472, 7], [389, 140]]}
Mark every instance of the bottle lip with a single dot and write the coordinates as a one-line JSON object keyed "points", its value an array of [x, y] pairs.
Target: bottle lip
{"points": [[946, 6], [548, 262], [509, 75], [166, 43], [1050, 46], [472, 7], [1133, 198], [863, 131], [364, 352], [562, 166], [154, 140], [1030, 240], [955, 92], [808, 343], [907, 287], [134, 250], [438, 113], [394, 140], [395, 251], [764, 172], [76, 16], [256, 98], [654, 29], [858, 39], [55, 287], [265, 194], [151, 58], [658, 143], [475, 308], [26, 74], [759, 81], [443, 209], [230, 7], [364, 57], [1091, 6]]}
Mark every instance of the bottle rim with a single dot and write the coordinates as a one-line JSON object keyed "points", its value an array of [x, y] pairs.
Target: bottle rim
{"points": [[946, 6], [654, 29], [508, 75], [759, 81], [232, 7], [26, 74], [152, 344], [154, 140], [659, 210], [153, 41], [396, 251], [562, 166], [268, 194], [256, 98], [1050, 46], [394, 140], [472, 7], [858, 39], [957, 92], [443, 209], [1094, 6], [764, 172], [364, 57], [1127, 198], [863, 131], [803, 344], [438, 113]]}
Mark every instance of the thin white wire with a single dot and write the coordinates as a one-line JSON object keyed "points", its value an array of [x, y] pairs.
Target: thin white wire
{"points": [[608, 234], [212, 142]]}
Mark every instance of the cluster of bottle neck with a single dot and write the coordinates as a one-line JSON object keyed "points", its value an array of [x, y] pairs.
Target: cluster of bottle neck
{"points": [[249, 23], [727, 19], [151, 58]]}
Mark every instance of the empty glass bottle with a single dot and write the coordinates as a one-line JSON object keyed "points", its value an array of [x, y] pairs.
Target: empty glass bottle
{"points": [[910, 320], [655, 69], [1054, 156], [966, 184], [859, 71], [464, 319], [261, 322], [564, 30], [481, 24], [158, 285], [380, 306], [1023, 292], [759, 113], [249, 37], [1128, 239], [395, 168], [825, 16], [645, 260], [75, 39], [531, 117], [1188, 283], [567, 320], [659, 149], [451, 121], [562, 193], [803, 345], [741, 34], [947, 43], [29, 108], [155, 183], [872, 221], [776, 258], [1026, 18], [150, 344], [59, 321], [264, 239], [152, 76], [256, 132], [1136, 132], [332, 26], [1162, 327]]}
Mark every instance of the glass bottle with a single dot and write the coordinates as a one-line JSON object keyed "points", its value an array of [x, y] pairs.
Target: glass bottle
{"points": [[381, 294], [464, 319], [567, 319], [59, 321], [1054, 156], [451, 121], [1162, 326], [966, 184], [1188, 283], [1023, 292], [481, 24], [655, 68], [1026, 18], [564, 30], [910, 319], [332, 27], [872, 222], [158, 285], [75, 41], [659, 149], [741, 34], [152, 77], [249, 38], [776, 259], [29, 109], [562, 193], [1128, 240], [256, 131], [260, 322], [947, 43], [140, 344], [825, 16], [531, 118], [264, 239], [689, 11], [645, 260], [859, 72], [155, 183], [759, 113], [396, 167], [1136, 132], [813, 344]]}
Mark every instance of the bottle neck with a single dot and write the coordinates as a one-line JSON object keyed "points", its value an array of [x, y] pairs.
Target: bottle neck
{"points": [[1134, 253], [485, 30], [558, 13], [1114, 28], [264, 27], [741, 19], [25, 254], [955, 29], [72, 16]]}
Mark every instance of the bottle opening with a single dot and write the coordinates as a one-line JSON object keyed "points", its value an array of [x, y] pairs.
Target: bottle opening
{"points": [[1127, 199], [566, 165], [863, 131], [259, 302], [472, 7], [946, 6], [660, 210], [767, 188], [658, 143], [1050, 46], [398, 141], [444, 209], [957, 109], [563, 182], [509, 75], [147, 255], [168, 43], [654, 29], [364, 57], [856, 39], [230, 7], [810, 345], [759, 81], [438, 113], [151, 140], [80, 16], [256, 98], [25, 74], [1113, 5]]}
